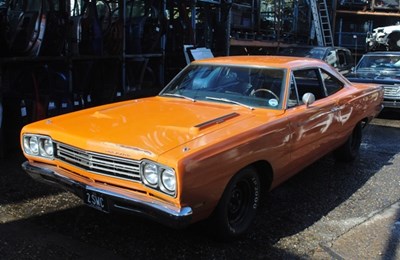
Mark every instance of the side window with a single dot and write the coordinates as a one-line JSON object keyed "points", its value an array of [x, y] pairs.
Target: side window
{"points": [[331, 83], [309, 81], [342, 58]]}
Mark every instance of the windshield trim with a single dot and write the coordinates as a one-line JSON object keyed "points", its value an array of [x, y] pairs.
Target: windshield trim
{"points": [[178, 96]]}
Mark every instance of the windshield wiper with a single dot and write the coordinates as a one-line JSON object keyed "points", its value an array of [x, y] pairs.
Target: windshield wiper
{"points": [[230, 101], [179, 96]]}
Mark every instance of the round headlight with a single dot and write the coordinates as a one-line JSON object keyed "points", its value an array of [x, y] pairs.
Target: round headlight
{"points": [[27, 148], [150, 173], [47, 147], [34, 144], [168, 180]]}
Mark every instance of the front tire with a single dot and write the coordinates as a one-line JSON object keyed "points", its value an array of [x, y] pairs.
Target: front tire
{"points": [[394, 41], [238, 206], [349, 151]]}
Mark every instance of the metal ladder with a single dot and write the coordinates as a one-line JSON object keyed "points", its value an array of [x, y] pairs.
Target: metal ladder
{"points": [[322, 22]]}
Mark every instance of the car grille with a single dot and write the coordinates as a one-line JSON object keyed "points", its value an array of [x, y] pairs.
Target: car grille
{"points": [[99, 163], [392, 91]]}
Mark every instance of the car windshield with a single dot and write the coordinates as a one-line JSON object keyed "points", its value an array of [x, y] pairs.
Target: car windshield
{"points": [[379, 62], [249, 87]]}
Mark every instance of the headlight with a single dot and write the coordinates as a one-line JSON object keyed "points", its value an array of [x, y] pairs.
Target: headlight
{"points": [[38, 145], [32, 145], [168, 180], [159, 177], [150, 174], [47, 148]]}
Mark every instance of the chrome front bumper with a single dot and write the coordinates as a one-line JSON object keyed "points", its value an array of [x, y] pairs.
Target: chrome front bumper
{"points": [[391, 103], [136, 204]]}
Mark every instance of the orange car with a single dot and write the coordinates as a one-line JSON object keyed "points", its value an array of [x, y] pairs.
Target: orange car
{"points": [[223, 132]]}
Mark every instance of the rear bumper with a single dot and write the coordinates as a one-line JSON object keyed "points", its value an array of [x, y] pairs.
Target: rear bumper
{"points": [[117, 199]]}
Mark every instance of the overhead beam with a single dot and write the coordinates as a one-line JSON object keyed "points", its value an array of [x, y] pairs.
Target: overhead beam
{"points": [[370, 13]]}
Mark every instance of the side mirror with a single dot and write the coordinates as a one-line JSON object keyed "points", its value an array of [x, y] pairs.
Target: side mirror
{"points": [[308, 98]]}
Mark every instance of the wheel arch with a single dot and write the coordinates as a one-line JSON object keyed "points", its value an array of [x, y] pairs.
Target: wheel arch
{"points": [[265, 172], [229, 218], [395, 32], [392, 40]]}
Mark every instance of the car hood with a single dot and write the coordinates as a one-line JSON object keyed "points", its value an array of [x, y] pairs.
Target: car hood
{"points": [[375, 76], [389, 28], [141, 128]]}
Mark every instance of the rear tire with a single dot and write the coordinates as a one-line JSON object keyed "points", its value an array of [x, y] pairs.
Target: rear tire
{"points": [[349, 151], [238, 206]]}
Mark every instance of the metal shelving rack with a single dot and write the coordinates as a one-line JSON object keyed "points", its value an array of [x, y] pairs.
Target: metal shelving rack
{"points": [[352, 21], [70, 61]]}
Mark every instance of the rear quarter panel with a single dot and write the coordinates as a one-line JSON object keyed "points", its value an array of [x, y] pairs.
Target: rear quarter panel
{"points": [[359, 102]]}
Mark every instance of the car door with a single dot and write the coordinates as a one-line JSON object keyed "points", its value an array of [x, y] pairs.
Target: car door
{"points": [[345, 105], [345, 61], [313, 127]]}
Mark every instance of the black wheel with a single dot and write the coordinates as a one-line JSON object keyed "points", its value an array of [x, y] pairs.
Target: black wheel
{"points": [[349, 151], [237, 208], [394, 41]]}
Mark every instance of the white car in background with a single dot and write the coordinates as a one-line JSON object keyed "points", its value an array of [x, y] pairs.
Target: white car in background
{"points": [[384, 38]]}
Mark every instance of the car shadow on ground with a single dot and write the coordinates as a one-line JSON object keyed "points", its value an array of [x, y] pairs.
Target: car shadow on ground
{"points": [[288, 210], [16, 185]]}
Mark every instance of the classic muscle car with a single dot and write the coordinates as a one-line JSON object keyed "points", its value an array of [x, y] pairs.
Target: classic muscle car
{"points": [[380, 68], [221, 134]]}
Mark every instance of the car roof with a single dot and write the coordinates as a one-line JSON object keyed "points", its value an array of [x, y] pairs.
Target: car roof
{"points": [[269, 61], [306, 47], [315, 47]]}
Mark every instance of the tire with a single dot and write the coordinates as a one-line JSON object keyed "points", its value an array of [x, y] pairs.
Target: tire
{"points": [[349, 151], [394, 41], [238, 206]]}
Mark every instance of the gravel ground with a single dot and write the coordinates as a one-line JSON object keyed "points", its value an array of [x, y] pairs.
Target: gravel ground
{"points": [[298, 220]]}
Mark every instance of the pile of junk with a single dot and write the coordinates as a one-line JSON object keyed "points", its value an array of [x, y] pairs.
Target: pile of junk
{"points": [[59, 56]]}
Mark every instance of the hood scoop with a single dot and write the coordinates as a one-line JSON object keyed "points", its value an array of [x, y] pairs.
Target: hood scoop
{"points": [[215, 121]]}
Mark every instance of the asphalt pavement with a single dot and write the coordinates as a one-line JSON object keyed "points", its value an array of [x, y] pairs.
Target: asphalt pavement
{"points": [[330, 210]]}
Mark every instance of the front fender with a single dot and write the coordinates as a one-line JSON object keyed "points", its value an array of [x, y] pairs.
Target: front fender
{"points": [[206, 172]]}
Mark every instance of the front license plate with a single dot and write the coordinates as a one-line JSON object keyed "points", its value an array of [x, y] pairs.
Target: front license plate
{"points": [[95, 200]]}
